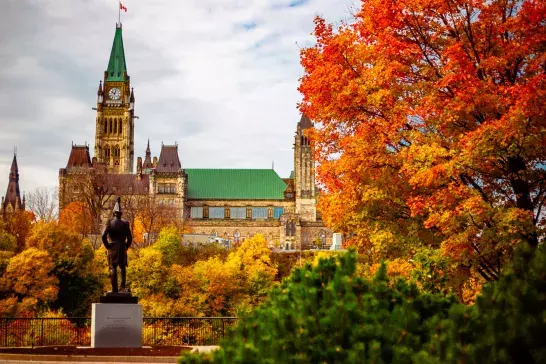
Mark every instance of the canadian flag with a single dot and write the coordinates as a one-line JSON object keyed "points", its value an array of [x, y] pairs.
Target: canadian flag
{"points": [[122, 7]]}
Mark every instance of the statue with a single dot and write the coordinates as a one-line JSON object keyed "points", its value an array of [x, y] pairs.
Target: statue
{"points": [[120, 240]]}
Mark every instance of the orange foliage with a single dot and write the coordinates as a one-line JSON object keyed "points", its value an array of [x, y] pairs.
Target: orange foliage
{"points": [[19, 224], [77, 218], [431, 127]]}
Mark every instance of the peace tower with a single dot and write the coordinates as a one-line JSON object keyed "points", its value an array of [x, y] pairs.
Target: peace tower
{"points": [[115, 129]]}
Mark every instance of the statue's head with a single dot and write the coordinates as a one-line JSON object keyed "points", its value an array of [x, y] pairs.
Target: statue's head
{"points": [[117, 208]]}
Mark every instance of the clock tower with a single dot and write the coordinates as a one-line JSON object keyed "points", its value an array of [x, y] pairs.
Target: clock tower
{"points": [[115, 132]]}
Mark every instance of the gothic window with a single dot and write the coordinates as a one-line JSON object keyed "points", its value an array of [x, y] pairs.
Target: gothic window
{"points": [[290, 228], [110, 126], [107, 152], [105, 126], [119, 126], [236, 236]]}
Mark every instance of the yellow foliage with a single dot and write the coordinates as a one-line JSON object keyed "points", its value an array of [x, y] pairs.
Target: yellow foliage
{"points": [[395, 268], [28, 276], [253, 257]]}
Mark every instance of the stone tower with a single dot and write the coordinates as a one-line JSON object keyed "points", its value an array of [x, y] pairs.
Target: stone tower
{"points": [[12, 201], [115, 132], [304, 173]]}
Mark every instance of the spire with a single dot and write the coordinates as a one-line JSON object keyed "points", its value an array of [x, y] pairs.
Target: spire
{"points": [[132, 99], [14, 170], [305, 122], [148, 158], [13, 195], [116, 65], [100, 92]]}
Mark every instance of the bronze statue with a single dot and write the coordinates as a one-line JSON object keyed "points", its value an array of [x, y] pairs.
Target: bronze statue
{"points": [[120, 240]]}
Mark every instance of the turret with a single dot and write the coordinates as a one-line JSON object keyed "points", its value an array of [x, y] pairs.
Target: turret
{"points": [[100, 94], [304, 171]]}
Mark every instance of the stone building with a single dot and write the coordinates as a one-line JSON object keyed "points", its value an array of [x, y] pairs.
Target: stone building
{"points": [[12, 201], [229, 203]]}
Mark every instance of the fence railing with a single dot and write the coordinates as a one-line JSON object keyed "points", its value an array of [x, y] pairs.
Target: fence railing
{"points": [[157, 331]]}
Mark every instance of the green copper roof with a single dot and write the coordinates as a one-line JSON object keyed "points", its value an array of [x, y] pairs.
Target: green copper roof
{"points": [[116, 64], [235, 184]]}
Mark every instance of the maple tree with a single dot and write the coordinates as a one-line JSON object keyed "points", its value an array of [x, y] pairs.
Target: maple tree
{"points": [[18, 224], [27, 282], [152, 215], [431, 127], [77, 218]]}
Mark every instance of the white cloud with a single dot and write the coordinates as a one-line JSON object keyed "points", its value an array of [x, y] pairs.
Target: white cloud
{"points": [[219, 77]]}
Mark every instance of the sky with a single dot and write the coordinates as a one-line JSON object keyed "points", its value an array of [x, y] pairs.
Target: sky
{"points": [[218, 77]]}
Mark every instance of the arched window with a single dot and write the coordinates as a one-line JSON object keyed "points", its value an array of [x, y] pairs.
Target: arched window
{"points": [[290, 228], [119, 126], [107, 152], [236, 236], [105, 126], [110, 122]]}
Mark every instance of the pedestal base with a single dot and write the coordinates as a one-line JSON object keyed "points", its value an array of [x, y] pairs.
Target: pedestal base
{"points": [[116, 325], [121, 297]]}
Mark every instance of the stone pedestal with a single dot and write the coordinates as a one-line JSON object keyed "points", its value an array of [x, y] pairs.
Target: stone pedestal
{"points": [[116, 325]]}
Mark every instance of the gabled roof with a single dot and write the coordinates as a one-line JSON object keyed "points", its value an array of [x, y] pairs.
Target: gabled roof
{"points": [[235, 184], [168, 159], [116, 65], [128, 184], [79, 157]]}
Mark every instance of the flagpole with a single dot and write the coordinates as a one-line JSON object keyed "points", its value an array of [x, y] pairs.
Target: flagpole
{"points": [[119, 13]]}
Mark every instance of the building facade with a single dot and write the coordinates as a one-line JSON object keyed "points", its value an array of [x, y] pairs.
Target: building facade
{"points": [[230, 203]]}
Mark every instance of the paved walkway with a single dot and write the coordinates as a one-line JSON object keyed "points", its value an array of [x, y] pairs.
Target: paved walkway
{"points": [[93, 359]]}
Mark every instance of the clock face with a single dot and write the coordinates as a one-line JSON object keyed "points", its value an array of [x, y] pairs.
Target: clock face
{"points": [[114, 93]]}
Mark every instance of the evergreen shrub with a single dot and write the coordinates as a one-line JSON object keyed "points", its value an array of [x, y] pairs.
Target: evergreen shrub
{"points": [[327, 314]]}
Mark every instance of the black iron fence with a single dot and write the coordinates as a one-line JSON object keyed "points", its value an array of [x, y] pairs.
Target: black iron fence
{"points": [[157, 331]]}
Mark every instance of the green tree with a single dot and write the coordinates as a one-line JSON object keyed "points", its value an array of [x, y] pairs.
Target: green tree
{"points": [[7, 242], [169, 243]]}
